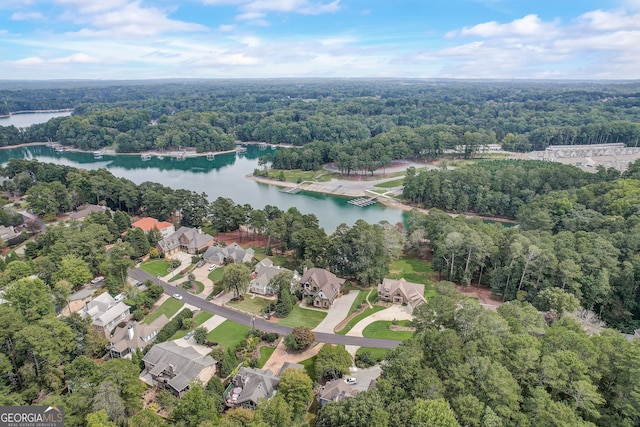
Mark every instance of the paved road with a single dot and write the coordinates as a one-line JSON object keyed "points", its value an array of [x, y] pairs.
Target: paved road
{"points": [[258, 323]]}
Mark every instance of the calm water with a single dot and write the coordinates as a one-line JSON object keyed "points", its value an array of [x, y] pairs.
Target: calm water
{"points": [[25, 120], [222, 177]]}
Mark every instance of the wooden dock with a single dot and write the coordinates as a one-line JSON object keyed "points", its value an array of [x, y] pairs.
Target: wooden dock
{"points": [[291, 190], [363, 201]]}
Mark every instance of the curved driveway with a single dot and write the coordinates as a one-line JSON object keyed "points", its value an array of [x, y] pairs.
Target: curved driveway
{"points": [[258, 323]]}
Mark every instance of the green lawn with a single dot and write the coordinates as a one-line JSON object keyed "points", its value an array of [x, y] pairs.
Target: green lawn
{"points": [[380, 329], [303, 317], [353, 322], [200, 318], [377, 353], [373, 296], [168, 308], [199, 287], [277, 259], [176, 277], [216, 274], [252, 305], [298, 175], [414, 270], [391, 184], [310, 366], [155, 268], [228, 334], [362, 295], [265, 354]]}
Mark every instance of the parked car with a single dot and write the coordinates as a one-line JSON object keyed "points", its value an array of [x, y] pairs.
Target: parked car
{"points": [[97, 279], [200, 263], [139, 260], [351, 380], [212, 267], [177, 296], [189, 335], [138, 284]]}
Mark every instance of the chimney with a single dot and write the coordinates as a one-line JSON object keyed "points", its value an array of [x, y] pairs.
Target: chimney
{"points": [[172, 372], [130, 332]]}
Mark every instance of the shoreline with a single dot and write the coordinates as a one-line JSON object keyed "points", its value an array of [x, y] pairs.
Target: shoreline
{"points": [[13, 113]]}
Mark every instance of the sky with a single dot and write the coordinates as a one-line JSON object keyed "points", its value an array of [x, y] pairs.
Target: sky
{"points": [[154, 39]]}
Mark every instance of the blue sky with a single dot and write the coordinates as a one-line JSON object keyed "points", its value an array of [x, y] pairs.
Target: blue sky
{"points": [[140, 39]]}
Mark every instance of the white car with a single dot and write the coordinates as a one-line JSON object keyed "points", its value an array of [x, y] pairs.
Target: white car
{"points": [[177, 296], [97, 279], [212, 267], [351, 380]]}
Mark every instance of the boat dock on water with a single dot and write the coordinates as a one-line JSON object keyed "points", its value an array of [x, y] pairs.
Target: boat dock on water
{"points": [[145, 156], [363, 201]]}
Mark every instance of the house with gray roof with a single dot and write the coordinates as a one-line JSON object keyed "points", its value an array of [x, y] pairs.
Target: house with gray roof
{"points": [[174, 368], [106, 312], [264, 272], [335, 391], [186, 239], [8, 233], [322, 285], [85, 211], [250, 385], [217, 255], [402, 292], [133, 336]]}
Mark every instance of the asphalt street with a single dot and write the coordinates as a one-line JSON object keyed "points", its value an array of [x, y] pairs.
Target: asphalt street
{"points": [[257, 322]]}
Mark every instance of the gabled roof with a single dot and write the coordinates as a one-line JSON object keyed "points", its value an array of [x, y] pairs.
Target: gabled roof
{"points": [[185, 362], [103, 309], [120, 338], [335, 391], [256, 384], [86, 210], [147, 224], [328, 283], [413, 292], [264, 272], [192, 238], [233, 250]]}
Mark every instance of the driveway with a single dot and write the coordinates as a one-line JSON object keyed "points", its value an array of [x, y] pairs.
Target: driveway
{"points": [[395, 312], [365, 376], [338, 311]]}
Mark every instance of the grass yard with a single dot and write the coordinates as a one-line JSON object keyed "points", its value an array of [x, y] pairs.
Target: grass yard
{"points": [[380, 329], [228, 334], [310, 366], [298, 175], [377, 353], [360, 299], [277, 259], [353, 322], [176, 277], [199, 287], [265, 354], [216, 274], [391, 184], [252, 305], [303, 317], [156, 267], [198, 320], [168, 308], [414, 270], [373, 296]]}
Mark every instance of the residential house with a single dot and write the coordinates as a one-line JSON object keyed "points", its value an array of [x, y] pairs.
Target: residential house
{"points": [[8, 233], [322, 285], [335, 391], [250, 385], [106, 312], [147, 224], [264, 272], [217, 255], [85, 211], [186, 239], [134, 336], [172, 367], [401, 292]]}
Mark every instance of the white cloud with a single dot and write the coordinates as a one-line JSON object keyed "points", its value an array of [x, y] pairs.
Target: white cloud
{"points": [[258, 9], [599, 20], [92, 6], [27, 16], [528, 26], [76, 58]]}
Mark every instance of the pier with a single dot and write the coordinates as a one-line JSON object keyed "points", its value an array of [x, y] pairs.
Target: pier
{"points": [[363, 201], [291, 190], [145, 156], [211, 156]]}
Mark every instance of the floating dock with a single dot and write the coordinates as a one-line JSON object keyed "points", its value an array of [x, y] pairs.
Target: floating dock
{"points": [[145, 156], [98, 154], [291, 190], [211, 156], [363, 201]]}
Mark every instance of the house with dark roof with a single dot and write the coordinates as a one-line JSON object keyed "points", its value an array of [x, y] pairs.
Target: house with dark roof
{"points": [[171, 367], [335, 391], [106, 312], [264, 272], [250, 385], [401, 292], [133, 336], [186, 239], [216, 255], [147, 224], [8, 233], [85, 211], [322, 285]]}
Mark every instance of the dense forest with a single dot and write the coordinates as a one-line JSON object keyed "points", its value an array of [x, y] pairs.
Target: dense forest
{"points": [[433, 115]]}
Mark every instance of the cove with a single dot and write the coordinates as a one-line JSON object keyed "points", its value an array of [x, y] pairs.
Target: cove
{"points": [[222, 177]]}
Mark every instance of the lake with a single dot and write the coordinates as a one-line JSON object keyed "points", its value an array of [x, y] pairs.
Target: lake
{"points": [[24, 120], [222, 177]]}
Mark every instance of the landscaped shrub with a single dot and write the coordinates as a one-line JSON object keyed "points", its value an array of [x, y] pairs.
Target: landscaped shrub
{"points": [[364, 359], [174, 325], [300, 338], [270, 337]]}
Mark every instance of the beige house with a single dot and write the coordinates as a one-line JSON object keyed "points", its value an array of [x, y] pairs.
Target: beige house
{"points": [[106, 312], [186, 239], [335, 391], [264, 272], [172, 367], [216, 255], [401, 292], [133, 336], [85, 211], [322, 285]]}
